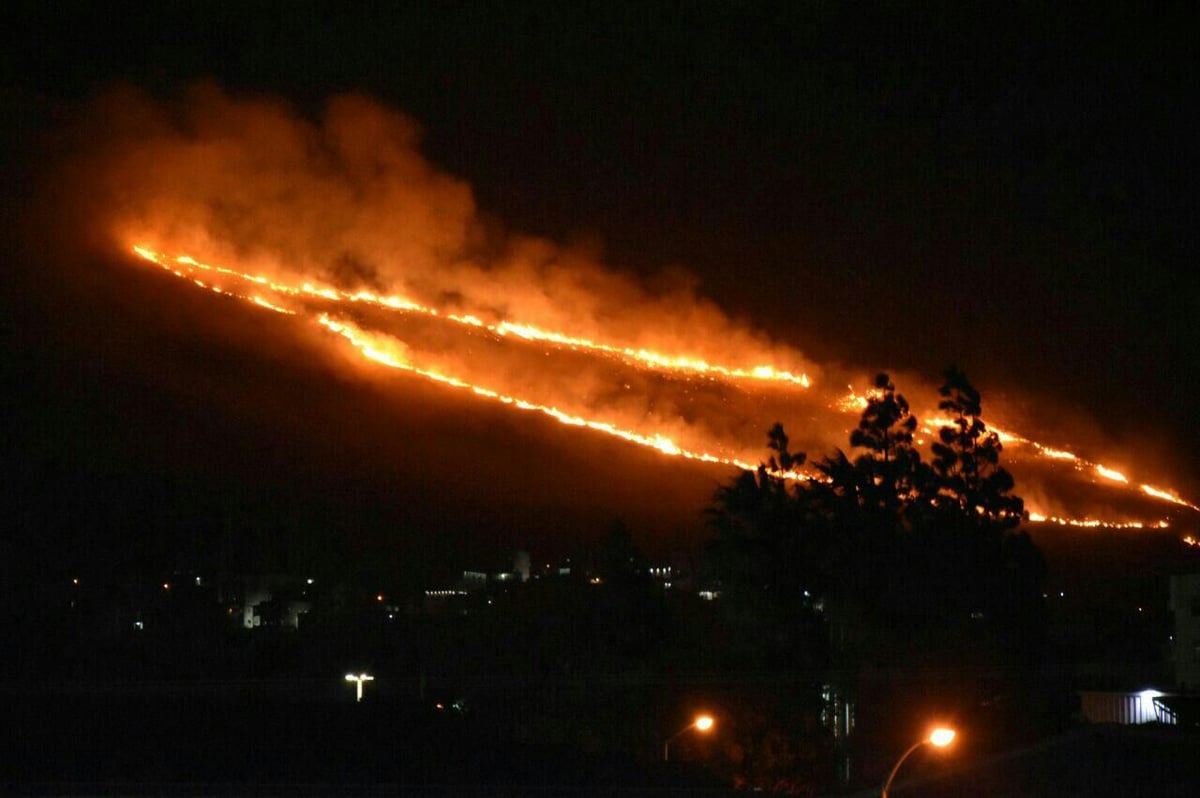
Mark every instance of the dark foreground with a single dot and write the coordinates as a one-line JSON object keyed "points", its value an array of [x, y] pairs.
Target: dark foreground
{"points": [[243, 740], [310, 738], [1105, 760]]}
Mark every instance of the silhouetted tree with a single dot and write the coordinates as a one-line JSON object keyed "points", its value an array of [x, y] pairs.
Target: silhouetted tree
{"points": [[783, 459], [967, 459], [872, 506], [888, 480], [900, 553], [767, 555], [619, 559], [996, 571]]}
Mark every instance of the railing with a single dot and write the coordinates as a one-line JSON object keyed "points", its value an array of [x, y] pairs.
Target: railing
{"points": [[1164, 714]]}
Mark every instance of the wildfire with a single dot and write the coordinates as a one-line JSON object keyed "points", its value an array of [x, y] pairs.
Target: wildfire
{"points": [[382, 350], [641, 357], [853, 401], [1095, 523], [296, 300], [1115, 476]]}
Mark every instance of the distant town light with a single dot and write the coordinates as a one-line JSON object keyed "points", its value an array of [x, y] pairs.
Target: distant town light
{"points": [[166, 585], [379, 597], [705, 722], [309, 581], [75, 581]]}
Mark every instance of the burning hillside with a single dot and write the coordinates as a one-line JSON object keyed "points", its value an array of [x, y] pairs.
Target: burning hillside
{"points": [[344, 226]]}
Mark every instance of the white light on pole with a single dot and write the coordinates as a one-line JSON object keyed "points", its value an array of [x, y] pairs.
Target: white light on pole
{"points": [[358, 679]]}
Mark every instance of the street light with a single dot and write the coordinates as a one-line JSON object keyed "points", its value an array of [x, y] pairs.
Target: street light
{"points": [[359, 678], [939, 738], [702, 723]]}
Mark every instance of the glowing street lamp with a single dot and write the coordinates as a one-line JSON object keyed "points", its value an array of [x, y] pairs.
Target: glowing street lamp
{"points": [[939, 738], [702, 723], [359, 678]]}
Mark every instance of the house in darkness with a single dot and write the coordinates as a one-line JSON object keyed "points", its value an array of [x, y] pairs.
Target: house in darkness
{"points": [[266, 600]]}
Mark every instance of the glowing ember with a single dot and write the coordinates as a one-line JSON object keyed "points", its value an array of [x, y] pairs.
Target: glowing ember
{"points": [[852, 402]]}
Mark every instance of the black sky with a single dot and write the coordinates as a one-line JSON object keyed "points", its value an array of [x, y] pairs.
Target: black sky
{"points": [[893, 185]]}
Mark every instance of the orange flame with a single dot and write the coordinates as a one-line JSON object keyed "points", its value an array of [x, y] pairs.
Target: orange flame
{"points": [[383, 349], [1095, 523], [641, 357], [1108, 473]]}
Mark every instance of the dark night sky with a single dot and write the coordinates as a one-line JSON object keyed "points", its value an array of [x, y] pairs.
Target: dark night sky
{"points": [[889, 186]]}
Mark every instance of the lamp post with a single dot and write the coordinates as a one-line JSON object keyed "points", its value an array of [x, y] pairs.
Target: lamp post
{"points": [[939, 738], [359, 678], [702, 723]]}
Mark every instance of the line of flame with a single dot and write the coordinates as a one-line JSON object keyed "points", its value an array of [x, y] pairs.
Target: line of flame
{"points": [[1093, 523], [384, 349], [529, 332], [255, 298]]}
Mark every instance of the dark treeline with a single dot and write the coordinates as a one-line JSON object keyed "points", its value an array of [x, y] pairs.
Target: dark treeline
{"points": [[900, 559]]}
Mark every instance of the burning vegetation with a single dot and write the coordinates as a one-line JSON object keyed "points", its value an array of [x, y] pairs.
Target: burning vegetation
{"points": [[343, 225]]}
